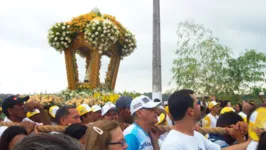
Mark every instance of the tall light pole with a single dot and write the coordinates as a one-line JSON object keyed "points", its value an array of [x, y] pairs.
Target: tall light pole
{"points": [[156, 55]]}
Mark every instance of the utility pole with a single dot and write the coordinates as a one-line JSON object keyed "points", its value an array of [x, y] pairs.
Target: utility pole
{"points": [[156, 55]]}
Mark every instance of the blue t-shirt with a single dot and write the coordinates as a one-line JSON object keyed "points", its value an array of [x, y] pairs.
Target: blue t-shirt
{"points": [[137, 139]]}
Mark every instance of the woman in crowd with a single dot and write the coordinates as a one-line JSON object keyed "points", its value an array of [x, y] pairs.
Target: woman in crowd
{"points": [[11, 136], [105, 135]]}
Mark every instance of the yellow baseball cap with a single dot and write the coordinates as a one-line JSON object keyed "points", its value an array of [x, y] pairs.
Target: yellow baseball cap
{"points": [[212, 104], [83, 109], [161, 118], [166, 108], [0, 108], [227, 109], [35, 112], [53, 110], [257, 120]]}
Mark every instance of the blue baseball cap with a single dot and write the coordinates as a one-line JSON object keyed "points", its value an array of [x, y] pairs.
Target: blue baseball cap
{"points": [[123, 102]]}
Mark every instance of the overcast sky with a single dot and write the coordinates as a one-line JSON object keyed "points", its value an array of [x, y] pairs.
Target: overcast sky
{"points": [[28, 64]]}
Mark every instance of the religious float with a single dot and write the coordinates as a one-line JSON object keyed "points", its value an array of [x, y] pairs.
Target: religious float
{"points": [[91, 36]]}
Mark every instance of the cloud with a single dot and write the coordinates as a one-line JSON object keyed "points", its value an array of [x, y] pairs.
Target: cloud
{"points": [[28, 64]]}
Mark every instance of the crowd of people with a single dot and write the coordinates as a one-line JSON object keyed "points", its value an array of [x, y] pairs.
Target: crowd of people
{"points": [[131, 124]]}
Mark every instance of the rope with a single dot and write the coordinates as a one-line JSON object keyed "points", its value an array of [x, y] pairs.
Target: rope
{"points": [[51, 128], [217, 130]]}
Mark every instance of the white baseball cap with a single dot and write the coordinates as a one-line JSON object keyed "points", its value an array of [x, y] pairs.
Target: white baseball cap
{"points": [[108, 106], [142, 102], [53, 110], [95, 108]]}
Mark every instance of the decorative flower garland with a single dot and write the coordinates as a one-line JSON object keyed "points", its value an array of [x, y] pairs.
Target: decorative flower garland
{"points": [[61, 36], [101, 34], [101, 31]]}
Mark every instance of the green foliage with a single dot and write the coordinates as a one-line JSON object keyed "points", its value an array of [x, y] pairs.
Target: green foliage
{"points": [[205, 65]]}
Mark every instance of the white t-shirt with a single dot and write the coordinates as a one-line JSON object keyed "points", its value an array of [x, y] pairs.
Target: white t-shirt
{"points": [[209, 121], [178, 141], [252, 145]]}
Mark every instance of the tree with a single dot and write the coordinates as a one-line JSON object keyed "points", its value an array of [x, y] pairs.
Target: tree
{"points": [[203, 64], [201, 60], [248, 71]]}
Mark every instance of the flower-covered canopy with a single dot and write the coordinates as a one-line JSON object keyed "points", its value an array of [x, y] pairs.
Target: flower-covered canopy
{"points": [[100, 31]]}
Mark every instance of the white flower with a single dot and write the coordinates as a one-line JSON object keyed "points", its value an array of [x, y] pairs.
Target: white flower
{"points": [[109, 34], [57, 33], [126, 40], [62, 42], [68, 32], [93, 28], [93, 35], [104, 31], [65, 43], [100, 52], [96, 33], [55, 38], [102, 35], [94, 42], [104, 28], [90, 39], [99, 28], [63, 27], [108, 26], [69, 41], [102, 39], [107, 31], [53, 43], [100, 48], [57, 43], [96, 38], [68, 26], [61, 38], [112, 38], [89, 33]]}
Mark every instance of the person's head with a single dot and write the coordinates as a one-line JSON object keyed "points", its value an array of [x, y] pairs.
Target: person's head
{"points": [[247, 106], [213, 98], [85, 113], [11, 136], [96, 112], [34, 116], [123, 109], [144, 110], [227, 119], [77, 131], [67, 115], [183, 105], [13, 107], [48, 142], [214, 108], [109, 112], [52, 112], [105, 135], [203, 110], [238, 107], [262, 142]]}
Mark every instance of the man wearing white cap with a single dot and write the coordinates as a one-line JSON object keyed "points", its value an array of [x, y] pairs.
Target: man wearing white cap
{"points": [[96, 112], [209, 121], [109, 112], [139, 135]]}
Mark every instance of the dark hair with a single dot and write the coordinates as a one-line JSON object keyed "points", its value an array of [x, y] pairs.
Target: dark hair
{"points": [[228, 119], [262, 142], [240, 106], [76, 130], [48, 142], [9, 134], [202, 108], [179, 102], [224, 103], [62, 112]]}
